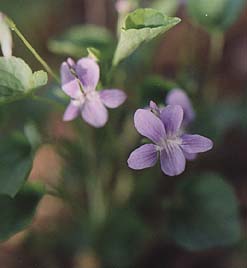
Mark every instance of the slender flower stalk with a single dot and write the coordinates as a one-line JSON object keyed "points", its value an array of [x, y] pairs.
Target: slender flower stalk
{"points": [[14, 28]]}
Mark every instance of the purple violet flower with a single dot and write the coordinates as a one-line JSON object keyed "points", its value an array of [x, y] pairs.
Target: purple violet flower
{"points": [[179, 97], [169, 143], [79, 81]]}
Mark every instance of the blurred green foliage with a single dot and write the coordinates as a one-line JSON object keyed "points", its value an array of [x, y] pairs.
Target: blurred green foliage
{"points": [[16, 160], [217, 14], [17, 213], [205, 214]]}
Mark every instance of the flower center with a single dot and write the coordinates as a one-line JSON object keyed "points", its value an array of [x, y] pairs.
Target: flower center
{"points": [[91, 95], [168, 142]]}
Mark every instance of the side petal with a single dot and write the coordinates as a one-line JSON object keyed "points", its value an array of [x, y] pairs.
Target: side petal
{"points": [[172, 160], [143, 157], [179, 97], [149, 125], [94, 113], [88, 73], [195, 144], [70, 84], [112, 98], [172, 117], [71, 112]]}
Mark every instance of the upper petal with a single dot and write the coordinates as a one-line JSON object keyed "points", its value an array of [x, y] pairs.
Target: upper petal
{"points": [[195, 143], [172, 160], [112, 98], [143, 157], [172, 117], [71, 112], [88, 73], [94, 112], [149, 125], [179, 97], [70, 84]]}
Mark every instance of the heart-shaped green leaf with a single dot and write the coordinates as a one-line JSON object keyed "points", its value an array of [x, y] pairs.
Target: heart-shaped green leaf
{"points": [[16, 214], [206, 215], [17, 79], [16, 158], [141, 26], [75, 41]]}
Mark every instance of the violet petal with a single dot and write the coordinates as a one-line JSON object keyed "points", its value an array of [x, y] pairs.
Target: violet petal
{"points": [[172, 117], [143, 157], [94, 112], [172, 160], [88, 73], [70, 84], [195, 143], [149, 125], [179, 97], [112, 98], [71, 112]]}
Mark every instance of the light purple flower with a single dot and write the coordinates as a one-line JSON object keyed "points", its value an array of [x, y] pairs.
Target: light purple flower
{"points": [[179, 97], [169, 143], [79, 81]]}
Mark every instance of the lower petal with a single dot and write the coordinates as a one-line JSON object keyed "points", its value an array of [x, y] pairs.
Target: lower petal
{"points": [[71, 112], [95, 113], [112, 98], [172, 160], [143, 157], [195, 144]]}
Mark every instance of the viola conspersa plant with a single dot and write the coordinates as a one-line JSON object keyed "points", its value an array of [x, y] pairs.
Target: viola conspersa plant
{"points": [[95, 163]]}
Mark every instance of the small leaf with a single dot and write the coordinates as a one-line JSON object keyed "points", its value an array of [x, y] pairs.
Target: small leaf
{"points": [[39, 79], [17, 79], [75, 41], [141, 26], [16, 160], [16, 214], [217, 14], [207, 214]]}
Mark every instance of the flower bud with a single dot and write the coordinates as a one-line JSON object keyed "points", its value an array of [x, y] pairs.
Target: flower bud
{"points": [[5, 37]]}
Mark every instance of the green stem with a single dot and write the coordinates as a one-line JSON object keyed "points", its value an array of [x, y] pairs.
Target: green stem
{"points": [[13, 27], [216, 47], [215, 54]]}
